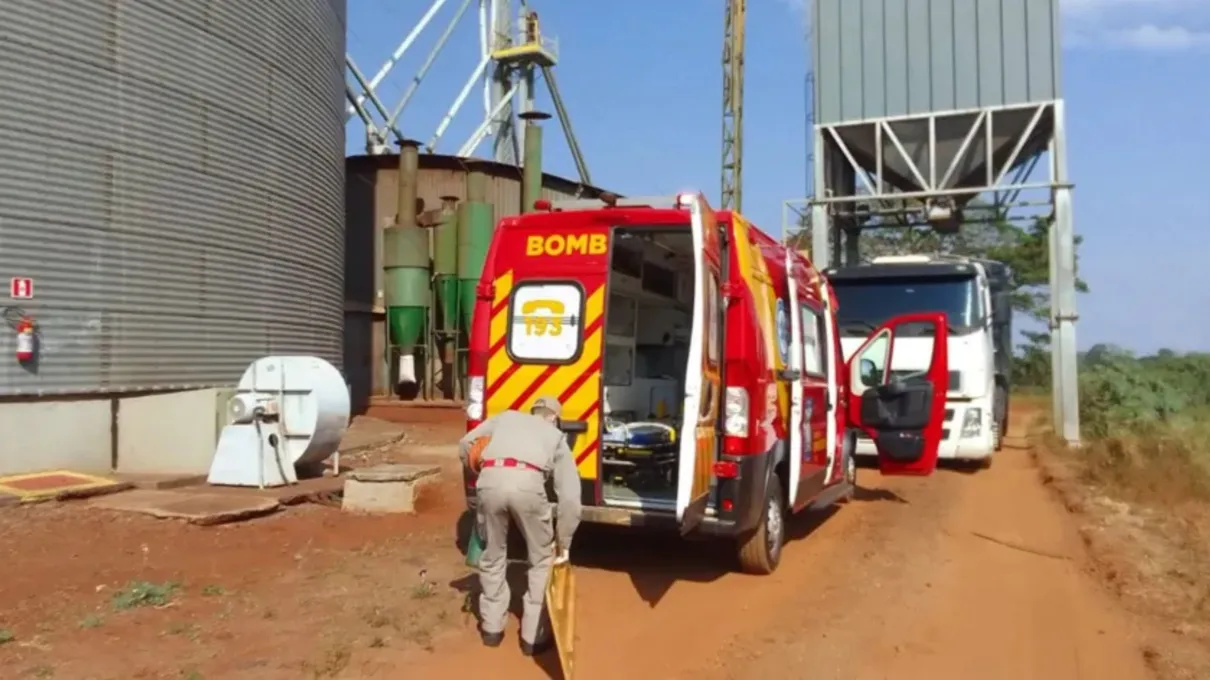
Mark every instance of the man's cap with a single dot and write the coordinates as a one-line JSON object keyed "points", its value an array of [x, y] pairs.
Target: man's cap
{"points": [[550, 404]]}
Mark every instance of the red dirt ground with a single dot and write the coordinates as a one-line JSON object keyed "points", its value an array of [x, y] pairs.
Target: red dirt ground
{"points": [[962, 575]]}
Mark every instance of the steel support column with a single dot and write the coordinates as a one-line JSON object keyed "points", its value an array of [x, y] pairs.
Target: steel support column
{"points": [[1063, 290], [821, 228], [506, 145]]}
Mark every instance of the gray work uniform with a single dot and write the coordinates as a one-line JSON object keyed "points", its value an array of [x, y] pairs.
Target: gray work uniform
{"points": [[519, 493]]}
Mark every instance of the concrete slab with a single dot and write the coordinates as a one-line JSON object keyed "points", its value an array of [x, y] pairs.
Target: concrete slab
{"points": [[194, 507], [370, 433], [161, 482], [434, 450], [317, 489], [387, 488], [394, 472]]}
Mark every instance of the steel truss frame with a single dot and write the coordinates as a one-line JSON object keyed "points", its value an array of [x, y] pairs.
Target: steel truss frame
{"points": [[508, 65], [837, 205]]}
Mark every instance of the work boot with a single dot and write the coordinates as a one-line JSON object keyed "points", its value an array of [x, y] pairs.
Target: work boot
{"points": [[537, 648], [491, 639]]}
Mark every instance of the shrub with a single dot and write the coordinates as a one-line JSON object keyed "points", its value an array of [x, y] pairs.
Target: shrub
{"points": [[1146, 422]]}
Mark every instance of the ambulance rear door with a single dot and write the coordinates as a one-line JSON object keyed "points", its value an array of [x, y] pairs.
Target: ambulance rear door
{"points": [[703, 377], [547, 329]]}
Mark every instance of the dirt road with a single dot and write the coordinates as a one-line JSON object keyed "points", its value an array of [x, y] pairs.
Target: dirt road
{"points": [[958, 576], [962, 575]]}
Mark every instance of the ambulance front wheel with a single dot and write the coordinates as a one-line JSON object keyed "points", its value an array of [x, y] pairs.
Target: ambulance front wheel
{"points": [[849, 461], [760, 551]]}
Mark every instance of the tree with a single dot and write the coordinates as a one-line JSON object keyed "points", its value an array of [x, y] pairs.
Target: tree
{"points": [[1024, 248]]}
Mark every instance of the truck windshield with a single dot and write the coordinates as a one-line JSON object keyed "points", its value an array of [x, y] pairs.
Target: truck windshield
{"points": [[864, 304]]}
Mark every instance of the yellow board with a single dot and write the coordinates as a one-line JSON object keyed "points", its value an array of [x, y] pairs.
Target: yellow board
{"points": [[40, 485], [561, 604]]}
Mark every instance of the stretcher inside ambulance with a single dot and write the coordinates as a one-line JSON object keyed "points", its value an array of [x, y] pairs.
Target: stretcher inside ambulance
{"points": [[699, 368]]}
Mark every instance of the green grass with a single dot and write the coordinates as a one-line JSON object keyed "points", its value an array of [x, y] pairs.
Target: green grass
{"points": [[91, 621], [144, 594]]}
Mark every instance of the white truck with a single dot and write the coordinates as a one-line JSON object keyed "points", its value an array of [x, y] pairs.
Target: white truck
{"points": [[974, 294]]}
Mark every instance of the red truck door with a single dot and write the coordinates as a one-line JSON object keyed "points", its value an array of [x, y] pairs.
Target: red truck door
{"points": [[902, 414], [703, 389]]}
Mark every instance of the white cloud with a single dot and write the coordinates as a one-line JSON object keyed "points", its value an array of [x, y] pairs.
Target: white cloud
{"points": [[1158, 38], [1150, 25], [1087, 7], [802, 8], [1153, 25]]}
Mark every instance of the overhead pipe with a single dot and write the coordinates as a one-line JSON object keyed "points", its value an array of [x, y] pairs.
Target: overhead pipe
{"points": [[531, 176]]}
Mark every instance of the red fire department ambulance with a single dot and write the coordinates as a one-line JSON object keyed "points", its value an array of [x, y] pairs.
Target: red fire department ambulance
{"points": [[699, 368]]}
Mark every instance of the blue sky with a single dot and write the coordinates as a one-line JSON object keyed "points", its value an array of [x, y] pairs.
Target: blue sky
{"points": [[642, 81]]}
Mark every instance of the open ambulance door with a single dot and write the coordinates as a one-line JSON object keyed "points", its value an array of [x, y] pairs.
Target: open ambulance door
{"points": [[799, 446], [703, 388], [902, 414]]}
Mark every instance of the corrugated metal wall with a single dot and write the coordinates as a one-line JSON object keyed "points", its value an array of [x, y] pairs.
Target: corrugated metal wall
{"points": [[880, 58], [172, 177], [370, 205]]}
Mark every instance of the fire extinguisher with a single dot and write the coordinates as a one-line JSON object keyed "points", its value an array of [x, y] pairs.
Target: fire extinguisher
{"points": [[26, 340]]}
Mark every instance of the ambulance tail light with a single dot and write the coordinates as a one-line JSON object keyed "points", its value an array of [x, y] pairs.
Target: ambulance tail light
{"points": [[726, 469], [474, 401], [735, 420]]}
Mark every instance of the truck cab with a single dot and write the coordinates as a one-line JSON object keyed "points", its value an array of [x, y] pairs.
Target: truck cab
{"points": [[699, 365], [973, 295]]}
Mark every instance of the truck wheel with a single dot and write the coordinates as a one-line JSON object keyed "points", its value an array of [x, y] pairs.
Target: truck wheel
{"points": [[849, 451], [760, 551], [1001, 420]]}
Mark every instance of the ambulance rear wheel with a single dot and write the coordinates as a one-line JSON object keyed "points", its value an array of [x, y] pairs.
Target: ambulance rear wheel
{"points": [[760, 551]]}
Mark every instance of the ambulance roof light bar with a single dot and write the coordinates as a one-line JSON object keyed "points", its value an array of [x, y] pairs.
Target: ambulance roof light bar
{"points": [[608, 200]]}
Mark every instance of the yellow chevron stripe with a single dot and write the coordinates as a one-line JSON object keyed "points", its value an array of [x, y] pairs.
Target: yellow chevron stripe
{"points": [[503, 396], [703, 472], [499, 322], [756, 276], [554, 385], [578, 403]]}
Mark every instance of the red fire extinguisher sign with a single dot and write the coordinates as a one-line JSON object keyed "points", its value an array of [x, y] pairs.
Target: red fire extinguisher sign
{"points": [[21, 288]]}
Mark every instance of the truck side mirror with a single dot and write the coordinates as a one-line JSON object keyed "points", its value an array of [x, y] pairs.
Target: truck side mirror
{"points": [[869, 373], [790, 374]]}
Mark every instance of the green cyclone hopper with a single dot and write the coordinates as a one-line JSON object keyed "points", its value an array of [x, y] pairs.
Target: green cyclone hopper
{"points": [[445, 263], [476, 220], [405, 262]]}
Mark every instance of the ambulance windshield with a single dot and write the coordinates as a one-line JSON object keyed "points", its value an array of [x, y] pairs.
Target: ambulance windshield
{"points": [[866, 303]]}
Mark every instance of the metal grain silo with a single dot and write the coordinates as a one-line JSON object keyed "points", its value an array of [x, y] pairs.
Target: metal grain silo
{"points": [[171, 177], [172, 182]]}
